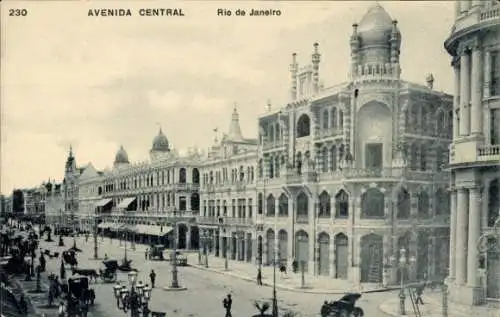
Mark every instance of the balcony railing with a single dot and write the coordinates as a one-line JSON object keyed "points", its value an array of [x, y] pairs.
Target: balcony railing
{"points": [[328, 133], [216, 220], [302, 219], [490, 14], [186, 186], [471, 152], [272, 145], [489, 150]]}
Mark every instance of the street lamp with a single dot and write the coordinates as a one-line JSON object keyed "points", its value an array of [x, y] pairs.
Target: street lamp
{"points": [[174, 286], [205, 247], [96, 256], [275, 299], [404, 264], [134, 299]]}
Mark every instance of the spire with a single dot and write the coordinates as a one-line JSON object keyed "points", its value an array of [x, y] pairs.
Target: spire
{"points": [[234, 127], [70, 151]]}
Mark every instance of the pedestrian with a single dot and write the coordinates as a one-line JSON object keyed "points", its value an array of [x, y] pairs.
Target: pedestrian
{"points": [[227, 303], [295, 266], [23, 305], [419, 292], [62, 309], [146, 254], [86, 237], [325, 310], [152, 277], [259, 276]]}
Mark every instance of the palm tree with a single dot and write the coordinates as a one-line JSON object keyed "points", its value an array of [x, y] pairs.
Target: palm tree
{"points": [[262, 308]]}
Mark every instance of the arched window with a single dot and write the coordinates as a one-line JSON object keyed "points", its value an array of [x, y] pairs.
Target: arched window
{"points": [[425, 119], [440, 123], [342, 204], [271, 167], [341, 119], [324, 205], [333, 158], [403, 204], [195, 178], [325, 119], [283, 206], [442, 203], [195, 202], [302, 206], [271, 206], [277, 166], [182, 175], [423, 204], [493, 202], [334, 118], [423, 157], [260, 204], [372, 204], [324, 159], [414, 156], [303, 126], [242, 174], [270, 133]]}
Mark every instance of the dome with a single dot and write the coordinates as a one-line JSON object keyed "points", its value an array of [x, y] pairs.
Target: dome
{"points": [[160, 143], [121, 156], [375, 27]]}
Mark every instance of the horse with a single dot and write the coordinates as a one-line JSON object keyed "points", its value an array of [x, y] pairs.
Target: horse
{"points": [[90, 273]]}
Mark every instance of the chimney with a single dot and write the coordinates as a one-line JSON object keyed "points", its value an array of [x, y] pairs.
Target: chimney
{"points": [[294, 67], [316, 57]]}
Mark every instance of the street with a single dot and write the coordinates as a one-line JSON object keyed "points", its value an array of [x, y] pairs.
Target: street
{"points": [[205, 290]]}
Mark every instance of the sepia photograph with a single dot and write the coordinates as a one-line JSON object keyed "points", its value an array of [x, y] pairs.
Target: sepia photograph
{"points": [[250, 158]]}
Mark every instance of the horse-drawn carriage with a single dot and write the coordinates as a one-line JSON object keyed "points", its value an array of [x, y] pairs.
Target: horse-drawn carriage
{"points": [[156, 252], [109, 275], [344, 307], [69, 257], [79, 290]]}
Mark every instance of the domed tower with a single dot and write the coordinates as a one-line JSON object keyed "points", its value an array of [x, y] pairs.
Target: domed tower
{"points": [[160, 146], [121, 157], [375, 45]]}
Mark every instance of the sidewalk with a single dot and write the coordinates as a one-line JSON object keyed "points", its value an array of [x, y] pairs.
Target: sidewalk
{"points": [[291, 282], [433, 308]]}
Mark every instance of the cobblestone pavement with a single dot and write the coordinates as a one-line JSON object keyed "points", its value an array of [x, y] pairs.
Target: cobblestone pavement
{"points": [[205, 289]]}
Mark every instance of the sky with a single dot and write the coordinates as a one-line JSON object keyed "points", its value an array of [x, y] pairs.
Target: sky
{"points": [[100, 82]]}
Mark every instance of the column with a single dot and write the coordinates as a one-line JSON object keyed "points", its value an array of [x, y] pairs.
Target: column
{"points": [[487, 74], [474, 231], [476, 90], [188, 238], [464, 92], [456, 100], [461, 236], [453, 233]]}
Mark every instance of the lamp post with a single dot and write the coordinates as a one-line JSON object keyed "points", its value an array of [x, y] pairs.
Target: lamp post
{"points": [[275, 299], [96, 256], [205, 247], [134, 299], [404, 264], [174, 286]]}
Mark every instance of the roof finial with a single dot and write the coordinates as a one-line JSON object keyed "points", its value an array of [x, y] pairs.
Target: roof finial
{"points": [[268, 106]]}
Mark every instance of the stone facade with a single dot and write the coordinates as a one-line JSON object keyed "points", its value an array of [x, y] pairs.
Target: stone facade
{"points": [[474, 45]]}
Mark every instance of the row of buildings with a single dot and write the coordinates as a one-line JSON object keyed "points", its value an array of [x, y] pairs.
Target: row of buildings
{"points": [[340, 178]]}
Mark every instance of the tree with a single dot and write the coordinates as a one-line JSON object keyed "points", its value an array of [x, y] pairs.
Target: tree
{"points": [[17, 201]]}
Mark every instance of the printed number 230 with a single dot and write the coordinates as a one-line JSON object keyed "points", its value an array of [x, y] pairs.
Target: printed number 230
{"points": [[18, 12]]}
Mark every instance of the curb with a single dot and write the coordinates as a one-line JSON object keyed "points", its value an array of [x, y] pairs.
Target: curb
{"points": [[286, 288]]}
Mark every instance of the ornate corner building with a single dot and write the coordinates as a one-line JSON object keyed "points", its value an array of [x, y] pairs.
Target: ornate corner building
{"points": [[474, 44]]}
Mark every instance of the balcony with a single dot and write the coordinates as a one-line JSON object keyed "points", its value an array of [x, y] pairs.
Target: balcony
{"points": [[230, 221], [302, 219], [386, 173], [332, 132], [240, 186], [273, 145], [471, 152], [489, 14], [187, 187], [293, 177], [374, 72]]}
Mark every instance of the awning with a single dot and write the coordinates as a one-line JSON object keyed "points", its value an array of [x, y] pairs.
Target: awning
{"points": [[126, 202], [103, 202], [153, 230], [104, 225]]}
